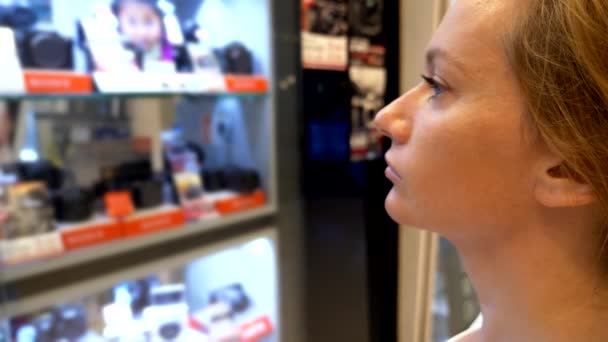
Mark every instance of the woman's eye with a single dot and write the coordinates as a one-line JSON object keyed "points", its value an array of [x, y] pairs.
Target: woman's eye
{"points": [[437, 88]]}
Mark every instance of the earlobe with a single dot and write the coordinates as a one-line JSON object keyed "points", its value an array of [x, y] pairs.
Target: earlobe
{"points": [[555, 189]]}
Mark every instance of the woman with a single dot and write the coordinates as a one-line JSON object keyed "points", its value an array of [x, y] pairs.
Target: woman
{"points": [[503, 149]]}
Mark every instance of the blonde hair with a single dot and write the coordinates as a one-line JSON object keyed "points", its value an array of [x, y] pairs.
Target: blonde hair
{"points": [[559, 52]]}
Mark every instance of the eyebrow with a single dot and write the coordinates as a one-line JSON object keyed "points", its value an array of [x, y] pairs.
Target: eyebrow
{"points": [[437, 53]]}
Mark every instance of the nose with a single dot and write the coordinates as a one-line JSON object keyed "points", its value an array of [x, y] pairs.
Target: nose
{"points": [[394, 121]]}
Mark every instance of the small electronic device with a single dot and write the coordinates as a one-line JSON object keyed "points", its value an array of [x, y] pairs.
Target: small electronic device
{"points": [[73, 204], [235, 58], [242, 180], [233, 295], [147, 194], [40, 171], [70, 322], [366, 17], [167, 316], [328, 17], [38, 49]]}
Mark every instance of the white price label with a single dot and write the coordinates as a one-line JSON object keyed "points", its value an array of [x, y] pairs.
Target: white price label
{"points": [[30, 248], [324, 52]]}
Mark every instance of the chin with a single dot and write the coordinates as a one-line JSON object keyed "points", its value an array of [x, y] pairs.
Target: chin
{"points": [[398, 209]]}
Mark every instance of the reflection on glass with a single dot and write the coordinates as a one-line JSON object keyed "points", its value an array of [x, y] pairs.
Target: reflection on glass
{"points": [[455, 305]]}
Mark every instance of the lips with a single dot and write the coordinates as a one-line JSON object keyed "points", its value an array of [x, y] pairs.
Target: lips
{"points": [[391, 174]]}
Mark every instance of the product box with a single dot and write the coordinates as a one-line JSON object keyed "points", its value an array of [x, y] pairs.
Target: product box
{"points": [[194, 202], [30, 248], [30, 211], [239, 202], [95, 232], [152, 221]]}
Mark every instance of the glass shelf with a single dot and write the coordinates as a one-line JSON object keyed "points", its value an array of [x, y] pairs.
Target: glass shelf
{"points": [[92, 253], [102, 97]]}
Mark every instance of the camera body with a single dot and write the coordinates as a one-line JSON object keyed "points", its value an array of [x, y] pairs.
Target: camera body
{"points": [[38, 49], [366, 17], [329, 17], [167, 316]]}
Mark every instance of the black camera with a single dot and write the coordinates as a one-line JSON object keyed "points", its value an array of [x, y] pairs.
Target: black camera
{"points": [[366, 17], [328, 17], [38, 49], [73, 204], [64, 323], [41, 171], [233, 295], [235, 58]]}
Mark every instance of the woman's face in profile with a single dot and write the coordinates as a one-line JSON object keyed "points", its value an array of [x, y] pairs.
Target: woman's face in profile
{"points": [[141, 24], [463, 155]]}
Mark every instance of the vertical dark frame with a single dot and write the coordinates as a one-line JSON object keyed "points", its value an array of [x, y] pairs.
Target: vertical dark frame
{"points": [[287, 105]]}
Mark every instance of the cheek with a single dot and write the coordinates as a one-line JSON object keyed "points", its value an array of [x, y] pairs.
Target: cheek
{"points": [[128, 29], [155, 33], [460, 169]]}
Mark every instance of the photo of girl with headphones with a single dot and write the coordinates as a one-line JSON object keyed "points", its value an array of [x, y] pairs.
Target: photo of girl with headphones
{"points": [[142, 25]]}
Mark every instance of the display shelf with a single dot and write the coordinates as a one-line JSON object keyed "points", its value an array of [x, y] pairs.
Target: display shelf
{"points": [[76, 291], [101, 97], [71, 258]]}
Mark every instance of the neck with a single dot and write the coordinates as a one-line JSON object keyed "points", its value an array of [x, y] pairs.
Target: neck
{"points": [[537, 285]]}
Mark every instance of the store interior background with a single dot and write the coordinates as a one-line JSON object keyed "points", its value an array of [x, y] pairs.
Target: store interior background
{"points": [[232, 192]]}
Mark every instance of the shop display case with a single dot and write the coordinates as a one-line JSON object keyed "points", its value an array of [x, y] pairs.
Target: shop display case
{"points": [[104, 180], [86, 169], [137, 132], [217, 293]]}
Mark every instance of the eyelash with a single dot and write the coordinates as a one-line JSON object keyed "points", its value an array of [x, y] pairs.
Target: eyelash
{"points": [[437, 88]]}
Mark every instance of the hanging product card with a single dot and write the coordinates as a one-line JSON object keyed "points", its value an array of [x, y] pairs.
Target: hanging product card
{"points": [[10, 67], [324, 34], [368, 77]]}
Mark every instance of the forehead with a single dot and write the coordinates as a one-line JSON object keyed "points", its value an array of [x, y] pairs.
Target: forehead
{"points": [[472, 33]]}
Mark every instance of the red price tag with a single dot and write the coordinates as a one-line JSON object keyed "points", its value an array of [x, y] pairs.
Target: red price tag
{"points": [[256, 329], [119, 204]]}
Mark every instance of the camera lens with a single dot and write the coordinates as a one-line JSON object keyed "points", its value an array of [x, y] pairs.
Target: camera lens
{"points": [[49, 50], [169, 331]]}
